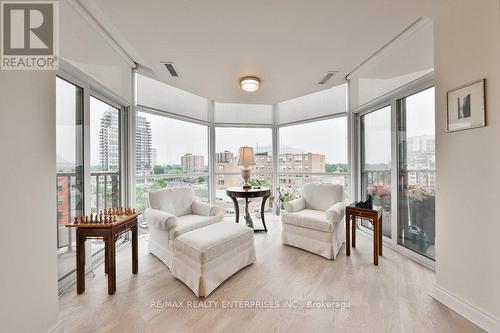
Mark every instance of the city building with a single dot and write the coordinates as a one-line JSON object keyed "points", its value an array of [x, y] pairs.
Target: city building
{"points": [[192, 164], [145, 155], [109, 141]]}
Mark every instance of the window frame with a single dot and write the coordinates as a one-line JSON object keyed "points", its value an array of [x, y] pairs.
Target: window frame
{"points": [[91, 88], [391, 99]]}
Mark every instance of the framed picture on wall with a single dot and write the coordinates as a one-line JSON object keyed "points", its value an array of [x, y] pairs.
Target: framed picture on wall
{"points": [[466, 107]]}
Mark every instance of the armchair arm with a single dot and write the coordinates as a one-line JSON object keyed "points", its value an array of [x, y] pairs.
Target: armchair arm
{"points": [[204, 209], [160, 219], [336, 212], [295, 205]]}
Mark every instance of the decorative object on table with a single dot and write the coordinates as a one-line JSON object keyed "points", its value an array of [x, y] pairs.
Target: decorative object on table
{"points": [[246, 161], [466, 107], [368, 203], [237, 192]]}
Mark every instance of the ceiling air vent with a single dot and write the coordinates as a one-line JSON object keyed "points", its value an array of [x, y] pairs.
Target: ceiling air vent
{"points": [[170, 68], [327, 77]]}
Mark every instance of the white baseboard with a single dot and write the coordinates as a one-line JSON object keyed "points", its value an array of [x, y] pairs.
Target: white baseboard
{"points": [[482, 319], [58, 328]]}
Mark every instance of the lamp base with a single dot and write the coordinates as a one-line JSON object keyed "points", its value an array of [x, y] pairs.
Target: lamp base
{"points": [[245, 174]]}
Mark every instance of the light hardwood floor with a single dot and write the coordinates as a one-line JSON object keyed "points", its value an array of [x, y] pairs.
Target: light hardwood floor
{"points": [[393, 297]]}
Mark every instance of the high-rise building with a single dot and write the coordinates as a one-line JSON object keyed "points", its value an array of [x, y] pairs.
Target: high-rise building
{"points": [[143, 150], [109, 141], [192, 163], [225, 157]]}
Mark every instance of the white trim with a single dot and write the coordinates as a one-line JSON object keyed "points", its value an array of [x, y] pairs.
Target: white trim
{"points": [[57, 328], [66, 67], [479, 317]]}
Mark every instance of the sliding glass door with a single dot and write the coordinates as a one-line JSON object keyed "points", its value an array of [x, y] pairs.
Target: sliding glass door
{"points": [[397, 166], [69, 172], [89, 165], [416, 172], [376, 162]]}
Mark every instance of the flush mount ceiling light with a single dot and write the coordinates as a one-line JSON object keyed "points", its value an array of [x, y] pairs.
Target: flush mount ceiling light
{"points": [[250, 83]]}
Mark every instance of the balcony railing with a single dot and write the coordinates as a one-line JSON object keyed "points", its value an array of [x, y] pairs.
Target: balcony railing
{"points": [[105, 192]]}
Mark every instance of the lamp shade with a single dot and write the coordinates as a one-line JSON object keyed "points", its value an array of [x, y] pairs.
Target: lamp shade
{"points": [[246, 156]]}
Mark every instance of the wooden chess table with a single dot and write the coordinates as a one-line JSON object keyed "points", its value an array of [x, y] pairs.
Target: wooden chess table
{"points": [[114, 223]]}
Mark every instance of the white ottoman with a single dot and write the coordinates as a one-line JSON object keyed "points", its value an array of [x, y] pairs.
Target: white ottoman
{"points": [[206, 257]]}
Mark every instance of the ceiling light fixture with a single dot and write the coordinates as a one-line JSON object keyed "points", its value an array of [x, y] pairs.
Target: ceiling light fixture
{"points": [[250, 83]]}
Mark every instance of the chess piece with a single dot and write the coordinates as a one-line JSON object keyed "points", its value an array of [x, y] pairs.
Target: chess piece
{"points": [[114, 218], [75, 220], [86, 219], [133, 211], [105, 219], [100, 217]]}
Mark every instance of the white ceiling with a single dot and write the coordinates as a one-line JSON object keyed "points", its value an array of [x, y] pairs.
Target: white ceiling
{"points": [[289, 44]]}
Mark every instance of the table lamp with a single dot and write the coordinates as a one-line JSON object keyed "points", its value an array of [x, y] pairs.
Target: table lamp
{"points": [[246, 161]]}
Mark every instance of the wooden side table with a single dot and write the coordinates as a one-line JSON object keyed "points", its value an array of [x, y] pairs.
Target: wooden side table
{"points": [[109, 232], [375, 218], [239, 192]]}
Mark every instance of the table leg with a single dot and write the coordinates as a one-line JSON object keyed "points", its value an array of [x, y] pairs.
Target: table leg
{"points": [[347, 235], [236, 209], [262, 206], [111, 264], [106, 259], [135, 256], [353, 224], [380, 229], [80, 263], [375, 241]]}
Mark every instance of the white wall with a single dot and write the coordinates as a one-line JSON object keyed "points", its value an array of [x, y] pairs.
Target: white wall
{"points": [[28, 277], [85, 48], [467, 48]]}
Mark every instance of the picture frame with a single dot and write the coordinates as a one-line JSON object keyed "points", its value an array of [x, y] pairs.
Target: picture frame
{"points": [[466, 107]]}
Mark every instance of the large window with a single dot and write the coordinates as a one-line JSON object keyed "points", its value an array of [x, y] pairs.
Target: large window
{"points": [[170, 153], [105, 155], [86, 182], [69, 173], [313, 152], [227, 171], [417, 172], [376, 162]]}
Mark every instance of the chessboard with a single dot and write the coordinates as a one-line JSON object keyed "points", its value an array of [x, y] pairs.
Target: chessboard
{"points": [[106, 218]]}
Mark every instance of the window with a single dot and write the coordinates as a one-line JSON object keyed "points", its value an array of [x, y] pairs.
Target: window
{"points": [[228, 141], [105, 155], [313, 152], [170, 153], [69, 173], [102, 186], [376, 162], [417, 172]]}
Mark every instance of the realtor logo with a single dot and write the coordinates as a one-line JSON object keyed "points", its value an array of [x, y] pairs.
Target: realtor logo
{"points": [[29, 35]]}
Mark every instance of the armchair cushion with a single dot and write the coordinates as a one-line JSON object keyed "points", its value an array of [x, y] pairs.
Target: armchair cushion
{"points": [[335, 213], [160, 219], [191, 222], [175, 200], [295, 205], [310, 219], [204, 209], [322, 196]]}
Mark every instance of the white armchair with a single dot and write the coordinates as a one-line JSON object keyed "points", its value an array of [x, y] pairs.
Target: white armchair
{"points": [[172, 212], [314, 221]]}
